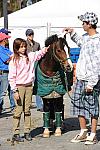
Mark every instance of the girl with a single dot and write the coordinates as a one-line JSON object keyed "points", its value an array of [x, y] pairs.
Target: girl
{"points": [[21, 76]]}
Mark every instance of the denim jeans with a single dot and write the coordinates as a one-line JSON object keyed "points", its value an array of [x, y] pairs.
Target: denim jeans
{"points": [[12, 102], [39, 102], [11, 97], [3, 86], [3, 90]]}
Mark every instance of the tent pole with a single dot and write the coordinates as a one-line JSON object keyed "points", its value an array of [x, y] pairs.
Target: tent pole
{"points": [[48, 29], [5, 14]]}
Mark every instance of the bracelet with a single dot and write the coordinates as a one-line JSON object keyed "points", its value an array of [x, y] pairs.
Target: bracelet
{"points": [[16, 90]]}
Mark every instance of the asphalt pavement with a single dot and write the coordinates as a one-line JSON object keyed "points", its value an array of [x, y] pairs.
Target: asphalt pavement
{"points": [[38, 142]]}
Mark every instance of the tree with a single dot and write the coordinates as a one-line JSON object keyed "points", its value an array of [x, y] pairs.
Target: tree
{"points": [[14, 5]]}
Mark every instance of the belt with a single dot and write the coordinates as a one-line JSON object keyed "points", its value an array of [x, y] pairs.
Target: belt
{"points": [[25, 85], [3, 71]]}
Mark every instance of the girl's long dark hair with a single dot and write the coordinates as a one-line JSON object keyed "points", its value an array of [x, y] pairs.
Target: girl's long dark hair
{"points": [[16, 45]]}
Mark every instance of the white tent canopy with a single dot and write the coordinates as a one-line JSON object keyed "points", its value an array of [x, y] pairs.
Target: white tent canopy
{"points": [[52, 10], [49, 16]]}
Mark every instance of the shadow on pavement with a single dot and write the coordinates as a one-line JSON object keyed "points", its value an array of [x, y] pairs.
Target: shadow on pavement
{"points": [[6, 114], [37, 131], [98, 134], [69, 124]]}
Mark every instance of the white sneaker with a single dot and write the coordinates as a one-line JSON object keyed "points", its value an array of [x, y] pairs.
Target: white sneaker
{"points": [[91, 140], [80, 138]]}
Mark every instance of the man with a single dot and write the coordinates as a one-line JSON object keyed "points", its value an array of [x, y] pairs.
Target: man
{"points": [[4, 60], [85, 102], [12, 102], [33, 46], [4, 30]]}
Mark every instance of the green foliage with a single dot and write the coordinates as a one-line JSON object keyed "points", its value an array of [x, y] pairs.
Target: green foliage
{"points": [[14, 5]]}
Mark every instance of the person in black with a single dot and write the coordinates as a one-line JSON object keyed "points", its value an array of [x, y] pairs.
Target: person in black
{"points": [[33, 46]]}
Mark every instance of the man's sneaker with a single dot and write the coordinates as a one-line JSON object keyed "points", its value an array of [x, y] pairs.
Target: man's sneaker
{"points": [[91, 140], [80, 138]]}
